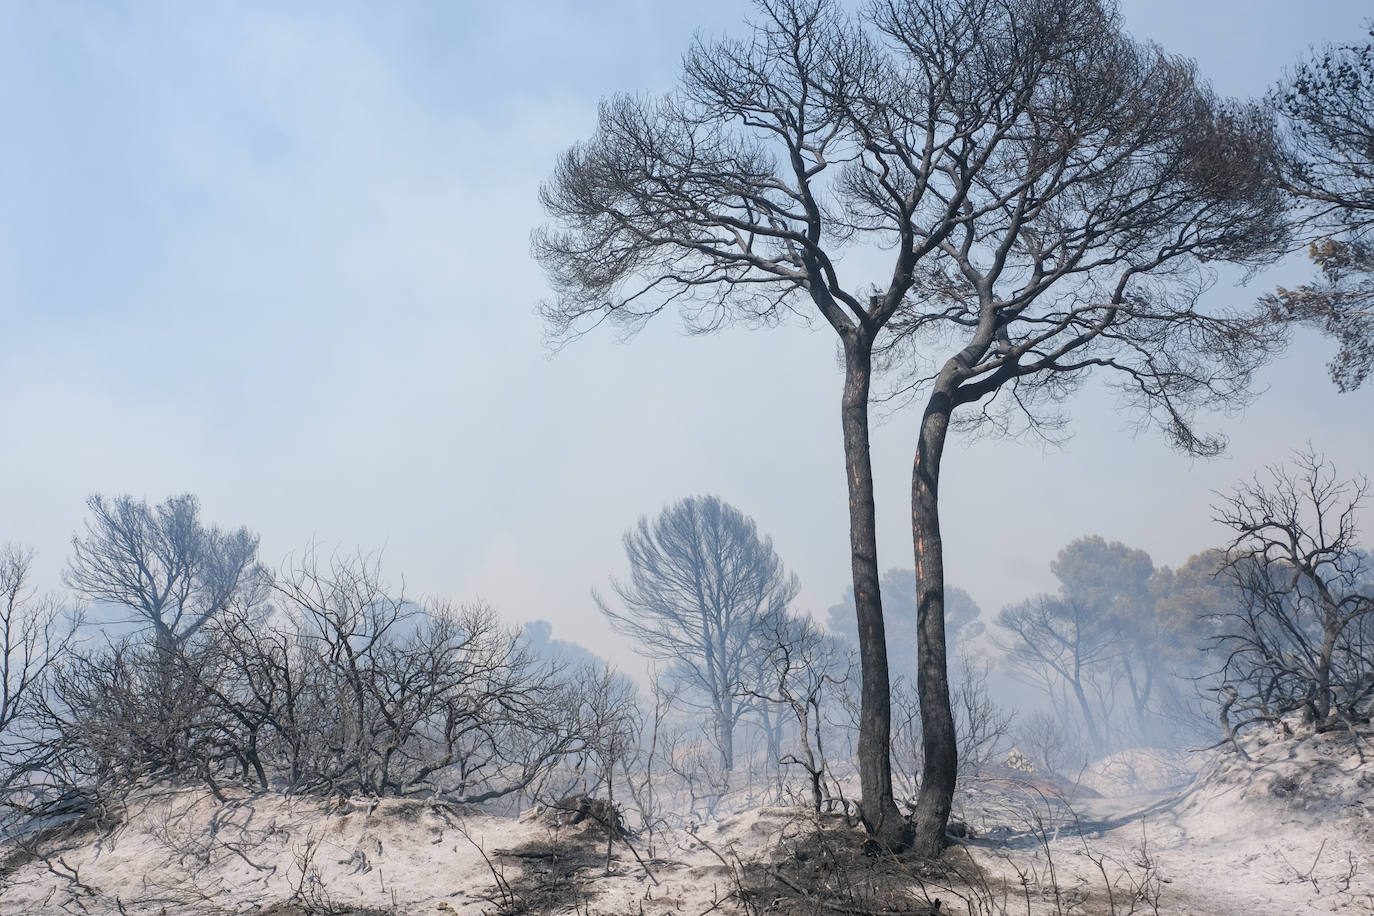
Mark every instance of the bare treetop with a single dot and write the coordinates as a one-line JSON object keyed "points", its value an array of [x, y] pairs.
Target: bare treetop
{"points": [[1030, 167], [1326, 107], [719, 196], [161, 562], [1301, 638], [1303, 516], [33, 637], [704, 587], [1086, 179]]}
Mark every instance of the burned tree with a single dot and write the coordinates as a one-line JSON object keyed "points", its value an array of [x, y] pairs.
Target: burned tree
{"points": [[717, 197], [1039, 179], [342, 687], [804, 665], [1070, 651], [162, 563], [36, 637], [1302, 638], [703, 589], [1326, 106], [1094, 175], [403, 698], [33, 635]]}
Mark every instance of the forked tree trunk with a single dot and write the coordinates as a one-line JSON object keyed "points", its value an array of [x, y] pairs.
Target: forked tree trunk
{"points": [[941, 764], [877, 807]]}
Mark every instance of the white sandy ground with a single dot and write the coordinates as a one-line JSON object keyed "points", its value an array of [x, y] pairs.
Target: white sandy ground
{"points": [[1290, 831]]}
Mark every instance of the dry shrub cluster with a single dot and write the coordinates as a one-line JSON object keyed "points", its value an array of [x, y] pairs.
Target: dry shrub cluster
{"points": [[321, 683]]}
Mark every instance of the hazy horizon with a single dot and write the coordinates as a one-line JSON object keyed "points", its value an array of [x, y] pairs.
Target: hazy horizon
{"points": [[277, 257]]}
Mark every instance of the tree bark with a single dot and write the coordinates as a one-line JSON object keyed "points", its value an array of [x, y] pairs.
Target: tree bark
{"points": [[1331, 630], [726, 730], [1095, 736], [878, 809], [938, 741]]}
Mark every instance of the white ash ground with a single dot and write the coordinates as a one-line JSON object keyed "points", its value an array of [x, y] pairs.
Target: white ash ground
{"points": [[1288, 831]]}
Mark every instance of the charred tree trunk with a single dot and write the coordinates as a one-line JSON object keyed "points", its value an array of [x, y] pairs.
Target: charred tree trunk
{"points": [[938, 742], [1142, 690], [1095, 734], [878, 808], [726, 736], [1331, 630]]}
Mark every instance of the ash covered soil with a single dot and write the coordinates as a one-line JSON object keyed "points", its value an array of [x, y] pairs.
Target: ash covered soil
{"points": [[1284, 828]]}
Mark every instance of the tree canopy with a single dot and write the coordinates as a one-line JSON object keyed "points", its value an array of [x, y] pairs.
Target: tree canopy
{"points": [[1326, 106], [169, 568], [705, 590], [1048, 190]]}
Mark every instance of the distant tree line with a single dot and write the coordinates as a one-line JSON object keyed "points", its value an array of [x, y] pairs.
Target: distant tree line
{"points": [[1278, 623], [1117, 651], [318, 678]]}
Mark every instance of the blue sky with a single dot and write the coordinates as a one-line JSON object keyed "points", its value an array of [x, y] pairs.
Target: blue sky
{"points": [[276, 255]]}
